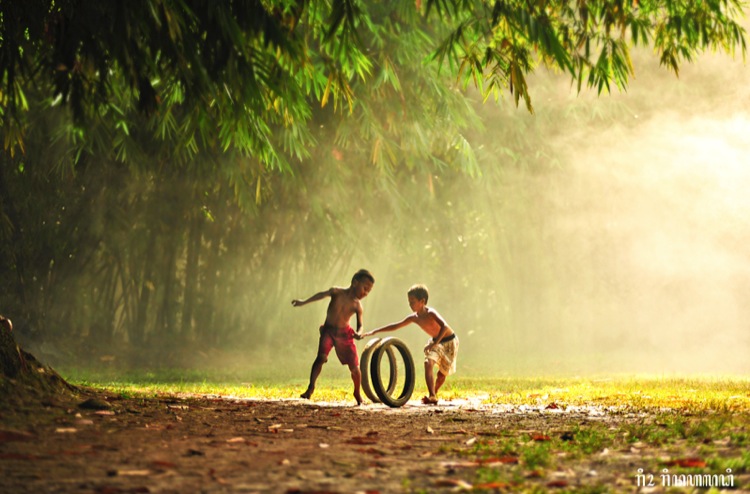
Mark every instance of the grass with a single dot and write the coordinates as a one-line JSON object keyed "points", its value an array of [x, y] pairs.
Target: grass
{"points": [[642, 392], [646, 393], [704, 443]]}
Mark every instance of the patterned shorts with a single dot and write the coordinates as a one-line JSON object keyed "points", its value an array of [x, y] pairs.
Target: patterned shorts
{"points": [[444, 355]]}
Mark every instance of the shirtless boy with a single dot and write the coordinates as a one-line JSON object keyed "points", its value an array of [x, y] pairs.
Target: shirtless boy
{"points": [[336, 331], [441, 348]]}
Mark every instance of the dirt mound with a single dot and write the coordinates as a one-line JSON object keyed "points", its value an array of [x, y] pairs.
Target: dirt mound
{"points": [[24, 380]]}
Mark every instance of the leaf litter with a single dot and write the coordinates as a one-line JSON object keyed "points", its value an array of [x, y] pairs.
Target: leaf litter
{"points": [[218, 444]]}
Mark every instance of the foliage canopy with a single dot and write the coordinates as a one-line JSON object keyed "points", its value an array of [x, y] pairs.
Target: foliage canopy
{"points": [[241, 68]]}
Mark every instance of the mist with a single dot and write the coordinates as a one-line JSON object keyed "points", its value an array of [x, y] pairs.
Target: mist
{"points": [[602, 235], [652, 223], [627, 254]]}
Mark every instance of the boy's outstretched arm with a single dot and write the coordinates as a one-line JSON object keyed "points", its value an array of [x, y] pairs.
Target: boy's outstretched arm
{"points": [[393, 326], [314, 298]]}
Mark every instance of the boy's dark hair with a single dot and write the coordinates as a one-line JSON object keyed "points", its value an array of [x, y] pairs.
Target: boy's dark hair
{"points": [[363, 274], [419, 292]]}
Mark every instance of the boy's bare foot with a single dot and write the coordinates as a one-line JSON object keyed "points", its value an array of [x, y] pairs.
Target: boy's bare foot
{"points": [[306, 395], [359, 399], [429, 400]]}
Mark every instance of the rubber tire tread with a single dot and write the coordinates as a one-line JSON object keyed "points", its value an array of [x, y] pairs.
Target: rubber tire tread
{"points": [[364, 369], [386, 396]]}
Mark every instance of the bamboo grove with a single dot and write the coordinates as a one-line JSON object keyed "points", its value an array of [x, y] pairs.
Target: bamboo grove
{"points": [[174, 170]]}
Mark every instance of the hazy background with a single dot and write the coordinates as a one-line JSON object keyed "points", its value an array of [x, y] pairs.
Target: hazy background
{"points": [[601, 234], [626, 251]]}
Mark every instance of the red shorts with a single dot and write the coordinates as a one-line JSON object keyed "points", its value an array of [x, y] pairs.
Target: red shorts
{"points": [[343, 340]]}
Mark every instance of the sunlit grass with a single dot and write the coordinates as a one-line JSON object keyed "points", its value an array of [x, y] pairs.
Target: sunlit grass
{"points": [[704, 394], [645, 392]]}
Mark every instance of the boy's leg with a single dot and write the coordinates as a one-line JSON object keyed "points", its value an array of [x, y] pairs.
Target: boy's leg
{"points": [[439, 380], [317, 366], [325, 343], [357, 380], [429, 379]]}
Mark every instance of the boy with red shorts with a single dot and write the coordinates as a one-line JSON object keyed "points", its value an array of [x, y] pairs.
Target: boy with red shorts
{"points": [[336, 331]]}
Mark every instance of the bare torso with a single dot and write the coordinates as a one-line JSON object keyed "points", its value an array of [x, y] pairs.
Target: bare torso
{"points": [[341, 308], [431, 322]]}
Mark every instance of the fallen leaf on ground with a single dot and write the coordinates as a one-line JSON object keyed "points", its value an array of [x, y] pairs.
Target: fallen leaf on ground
{"points": [[492, 485], [687, 463], [7, 435], [373, 451], [362, 440]]}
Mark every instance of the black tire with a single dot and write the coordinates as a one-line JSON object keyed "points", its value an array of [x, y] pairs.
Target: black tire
{"points": [[364, 368], [386, 395]]}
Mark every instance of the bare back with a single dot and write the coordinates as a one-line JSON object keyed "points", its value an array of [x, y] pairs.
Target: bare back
{"points": [[343, 305]]}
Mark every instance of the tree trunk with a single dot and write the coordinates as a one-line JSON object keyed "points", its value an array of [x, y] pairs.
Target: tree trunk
{"points": [[191, 276], [166, 315], [138, 331], [16, 240], [206, 313]]}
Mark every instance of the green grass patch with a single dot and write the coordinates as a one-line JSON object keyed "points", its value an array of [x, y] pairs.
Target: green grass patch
{"points": [[647, 393], [718, 394], [711, 442]]}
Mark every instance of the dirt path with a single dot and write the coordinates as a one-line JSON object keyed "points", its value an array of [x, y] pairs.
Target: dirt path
{"points": [[205, 444]]}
